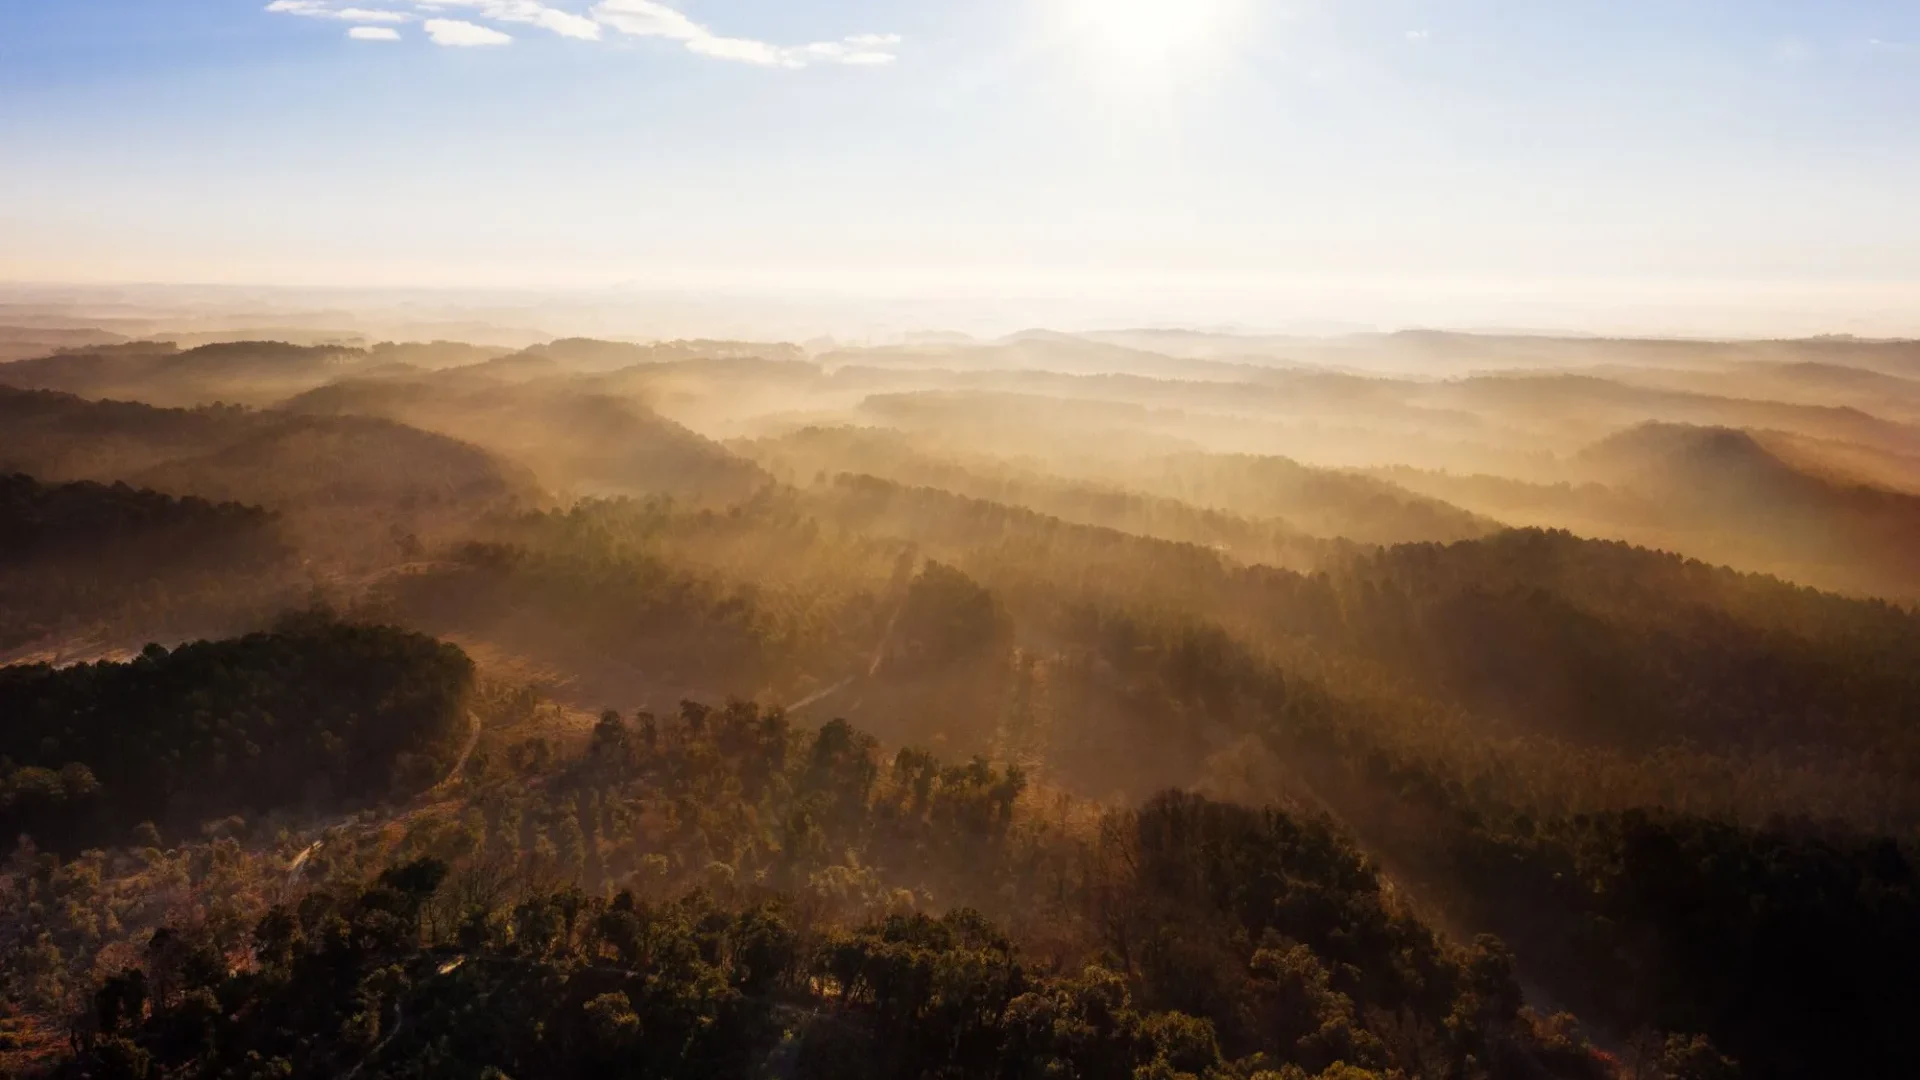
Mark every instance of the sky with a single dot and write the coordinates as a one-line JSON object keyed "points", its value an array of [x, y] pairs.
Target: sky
{"points": [[1245, 156]]}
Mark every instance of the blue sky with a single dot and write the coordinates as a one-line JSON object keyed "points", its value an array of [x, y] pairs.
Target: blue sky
{"points": [[989, 144]]}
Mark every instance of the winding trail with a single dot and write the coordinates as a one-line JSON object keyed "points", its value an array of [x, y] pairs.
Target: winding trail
{"points": [[399, 1021], [299, 862], [873, 664], [460, 763]]}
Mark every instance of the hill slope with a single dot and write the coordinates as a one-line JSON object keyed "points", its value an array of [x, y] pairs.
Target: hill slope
{"points": [[1729, 484], [75, 556], [576, 439]]}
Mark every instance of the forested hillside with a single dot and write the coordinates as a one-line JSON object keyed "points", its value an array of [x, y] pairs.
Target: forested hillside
{"points": [[347, 486], [73, 556], [1185, 937], [312, 715], [234, 372], [1247, 708], [576, 441]]}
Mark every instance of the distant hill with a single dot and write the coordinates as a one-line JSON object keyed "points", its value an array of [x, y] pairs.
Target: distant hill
{"points": [[433, 355], [1123, 445], [1020, 424], [1797, 382], [83, 556], [39, 521], [349, 460], [1657, 454], [1564, 407], [240, 372], [1322, 502], [21, 342], [310, 468], [272, 458], [589, 354], [59, 436], [576, 440], [235, 372], [813, 452], [1730, 482], [1600, 641], [512, 368], [1845, 462], [1036, 351], [1896, 357]]}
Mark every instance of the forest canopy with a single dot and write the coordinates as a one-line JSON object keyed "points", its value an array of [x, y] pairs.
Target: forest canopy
{"points": [[1138, 704], [314, 714]]}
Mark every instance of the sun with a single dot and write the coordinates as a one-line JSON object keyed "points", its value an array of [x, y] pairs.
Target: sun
{"points": [[1156, 40]]}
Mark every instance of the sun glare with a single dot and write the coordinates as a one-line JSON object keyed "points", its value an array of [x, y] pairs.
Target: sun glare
{"points": [[1157, 41]]}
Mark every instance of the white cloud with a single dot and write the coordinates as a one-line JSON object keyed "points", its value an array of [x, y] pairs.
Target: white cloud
{"points": [[643, 18], [741, 49], [648, 18], [1417, 35], [841, 52], [528, 12], [635, 18], [320, 9], [461, 35], [374, 33], [371, 15]]}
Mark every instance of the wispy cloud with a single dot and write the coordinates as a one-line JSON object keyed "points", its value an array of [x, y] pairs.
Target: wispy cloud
{"points": [[464, 35], [321, 9], [1417, 35], [648, 18], [634, 18], [373, 33], [528, 12]]}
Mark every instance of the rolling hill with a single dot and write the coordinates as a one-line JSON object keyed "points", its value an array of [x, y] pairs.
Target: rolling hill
{"points": [[577, 440]]}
